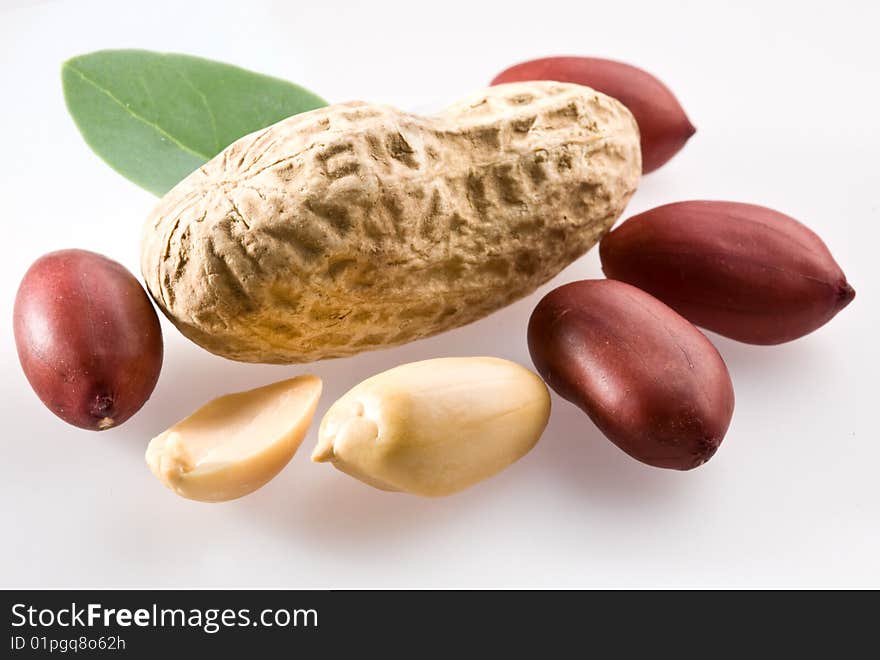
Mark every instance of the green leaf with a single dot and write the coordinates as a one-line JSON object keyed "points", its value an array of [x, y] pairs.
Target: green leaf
{"points": [[156, 117]]}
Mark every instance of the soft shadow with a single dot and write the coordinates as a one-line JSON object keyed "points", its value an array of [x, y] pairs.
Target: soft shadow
{"points": [[318, 506], [782, 361], [585, 464]]}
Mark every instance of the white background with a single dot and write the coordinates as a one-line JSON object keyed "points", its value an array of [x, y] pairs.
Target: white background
{"points": [[785, 99]]}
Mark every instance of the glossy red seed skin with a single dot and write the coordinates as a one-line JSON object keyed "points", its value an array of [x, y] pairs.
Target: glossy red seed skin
{"points": [[88, 338], [663, 124], [744, 271], [651, 382]]}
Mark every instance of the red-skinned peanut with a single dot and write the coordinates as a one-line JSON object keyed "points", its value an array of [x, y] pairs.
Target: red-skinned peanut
{"points": [[651, 382], [743, 271], [88, 338]]}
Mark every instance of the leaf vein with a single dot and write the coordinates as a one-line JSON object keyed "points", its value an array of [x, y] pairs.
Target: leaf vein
{"points": [[137, 116], [217, 146]]}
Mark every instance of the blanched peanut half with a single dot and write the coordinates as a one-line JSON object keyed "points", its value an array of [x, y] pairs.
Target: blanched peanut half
{"points": [[236, 443], [435, 427]]}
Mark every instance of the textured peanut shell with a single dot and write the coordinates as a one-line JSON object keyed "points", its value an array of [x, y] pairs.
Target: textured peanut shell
{"points": [[357, 226], [663, 124]]}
